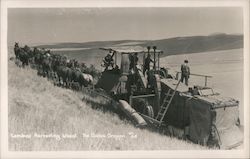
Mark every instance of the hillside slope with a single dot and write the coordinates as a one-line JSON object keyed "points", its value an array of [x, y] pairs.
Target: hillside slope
{"points": [[46, 117]]}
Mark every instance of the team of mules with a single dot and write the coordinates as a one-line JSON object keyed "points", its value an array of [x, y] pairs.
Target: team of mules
{"points": [[64, 72]]}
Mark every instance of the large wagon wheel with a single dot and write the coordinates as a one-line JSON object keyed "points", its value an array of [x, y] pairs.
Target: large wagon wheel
{"points": [[149, 111], [143, 106]]}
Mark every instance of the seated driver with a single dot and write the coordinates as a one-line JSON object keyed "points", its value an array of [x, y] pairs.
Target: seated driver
{"points": [[108, 60]]}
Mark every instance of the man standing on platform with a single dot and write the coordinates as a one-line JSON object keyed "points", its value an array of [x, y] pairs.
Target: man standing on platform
{"points": [[185, 72], [147, 64]]}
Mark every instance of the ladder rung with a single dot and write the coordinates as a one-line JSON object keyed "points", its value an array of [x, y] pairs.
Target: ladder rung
{"points": [[158, 119], [167, 94], [171, 94], [165, 104], [161, 111], [160, 114], [167, 97]]}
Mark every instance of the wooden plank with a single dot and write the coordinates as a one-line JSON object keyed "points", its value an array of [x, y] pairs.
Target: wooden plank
{"points": [[142, 96], [150, 120]]}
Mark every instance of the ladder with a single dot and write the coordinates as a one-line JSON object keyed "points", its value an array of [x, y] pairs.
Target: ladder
{"points": [[166, 103]]}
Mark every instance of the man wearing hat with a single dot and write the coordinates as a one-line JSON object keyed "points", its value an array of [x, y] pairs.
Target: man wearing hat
{"points": [[147, 64], [108, 60], [133, 60], [185, 72]]}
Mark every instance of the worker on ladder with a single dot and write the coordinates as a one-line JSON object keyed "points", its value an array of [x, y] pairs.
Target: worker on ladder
{"points": [[185, 72]]}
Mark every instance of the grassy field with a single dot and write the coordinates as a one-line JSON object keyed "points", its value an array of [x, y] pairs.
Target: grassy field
{"points": [[49, 118]]}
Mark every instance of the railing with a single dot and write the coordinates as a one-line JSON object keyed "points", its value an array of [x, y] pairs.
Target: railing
{"points": [[193, 74]]}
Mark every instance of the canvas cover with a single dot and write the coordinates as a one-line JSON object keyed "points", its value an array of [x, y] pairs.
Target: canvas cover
{"points": [[229, 133], [204, 115], [200, 120]]}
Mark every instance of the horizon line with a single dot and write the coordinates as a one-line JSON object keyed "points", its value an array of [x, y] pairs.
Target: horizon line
{"points": [[81, 42]]}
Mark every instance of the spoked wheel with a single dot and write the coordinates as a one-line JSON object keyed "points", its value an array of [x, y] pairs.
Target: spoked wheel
{"points": [[149, 111], [143, 106]]}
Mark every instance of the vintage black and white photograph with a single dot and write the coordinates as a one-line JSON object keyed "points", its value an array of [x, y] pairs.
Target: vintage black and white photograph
{"points": [[125, 78]]}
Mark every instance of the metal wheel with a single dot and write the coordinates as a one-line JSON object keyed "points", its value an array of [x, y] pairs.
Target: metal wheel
{"points": [[149, 111]]}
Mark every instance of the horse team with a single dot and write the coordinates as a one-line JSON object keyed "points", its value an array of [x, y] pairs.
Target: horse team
{"points": [[64, 72]]}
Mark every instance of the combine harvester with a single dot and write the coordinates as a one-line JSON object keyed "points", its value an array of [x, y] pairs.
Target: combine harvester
{"points": [[158, 100]]}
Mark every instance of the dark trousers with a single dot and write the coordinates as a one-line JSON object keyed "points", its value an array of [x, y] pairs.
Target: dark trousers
{"points": [[146, 68], [184, 77]]}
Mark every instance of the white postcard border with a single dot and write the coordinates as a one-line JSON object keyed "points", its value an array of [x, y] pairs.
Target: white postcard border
{"points": [[5, 153]]}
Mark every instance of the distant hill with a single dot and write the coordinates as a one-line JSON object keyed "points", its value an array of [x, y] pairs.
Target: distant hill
{"points": [[94, 44], [171, 46], [196, 44]]}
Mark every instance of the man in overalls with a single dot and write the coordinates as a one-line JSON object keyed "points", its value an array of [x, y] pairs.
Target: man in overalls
{"points": [[185, 72], [147, 64]]}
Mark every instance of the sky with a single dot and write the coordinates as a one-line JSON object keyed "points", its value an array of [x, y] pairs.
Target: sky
{"points": [[53, 25]]}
